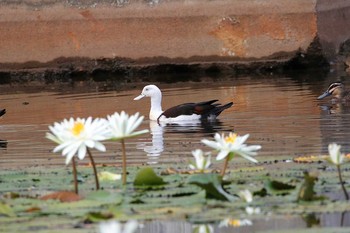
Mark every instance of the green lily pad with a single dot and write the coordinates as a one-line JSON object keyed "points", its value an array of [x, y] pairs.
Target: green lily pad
{"points": [[98, 216], [6, 210], [278, 187], [147, 177], [105, 197], [306, 190], [212, 184]]}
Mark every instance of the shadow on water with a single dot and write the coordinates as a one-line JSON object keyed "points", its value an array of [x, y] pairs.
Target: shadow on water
{"points": [[3, 144]]}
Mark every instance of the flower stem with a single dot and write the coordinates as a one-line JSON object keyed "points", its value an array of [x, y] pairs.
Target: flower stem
{"points": [[342, 183], [75, 176], [225, 165], [94, 167], [124, 161]]}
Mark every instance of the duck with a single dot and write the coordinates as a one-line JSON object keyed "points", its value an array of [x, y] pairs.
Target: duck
{"points": [[337, 91], [206, 110], [2, 112]]}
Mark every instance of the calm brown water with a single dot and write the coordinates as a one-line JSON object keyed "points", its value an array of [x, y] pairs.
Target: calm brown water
{"points": [[280, 113]]}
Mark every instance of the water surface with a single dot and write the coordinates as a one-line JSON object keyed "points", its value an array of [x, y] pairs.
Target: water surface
{"points": [[280, 113]]}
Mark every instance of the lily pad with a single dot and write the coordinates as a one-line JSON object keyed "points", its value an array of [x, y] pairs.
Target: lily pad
{"points": [[278, 187], [212, 184], [306, 191], [147, 177], [63, 196], [105, 197], [6, 210]]}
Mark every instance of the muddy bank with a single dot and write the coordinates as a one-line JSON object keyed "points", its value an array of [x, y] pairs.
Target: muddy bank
{"points": [[68, 70]]}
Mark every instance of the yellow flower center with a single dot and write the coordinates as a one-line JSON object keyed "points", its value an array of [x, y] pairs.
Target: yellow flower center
{"points": [[77, 128], [234, 222], [231, 138]]}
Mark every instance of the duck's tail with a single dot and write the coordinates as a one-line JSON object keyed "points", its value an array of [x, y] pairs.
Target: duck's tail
{"points": [[219, 108], [216, 111]]}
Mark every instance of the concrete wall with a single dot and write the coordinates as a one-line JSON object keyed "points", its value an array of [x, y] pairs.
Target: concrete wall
{"points": [[333, 25], [177, 31]]}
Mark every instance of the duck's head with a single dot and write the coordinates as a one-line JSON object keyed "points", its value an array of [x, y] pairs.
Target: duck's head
{"points": [[335, 89], [149, 91]]}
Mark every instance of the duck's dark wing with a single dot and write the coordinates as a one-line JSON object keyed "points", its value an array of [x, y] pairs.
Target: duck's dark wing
{"points": [[2, 112], [188, 109], [204, 109]]}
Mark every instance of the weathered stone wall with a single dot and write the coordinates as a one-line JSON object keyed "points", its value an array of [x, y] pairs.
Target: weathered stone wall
{"points": [[48, 33], [333, 25]]}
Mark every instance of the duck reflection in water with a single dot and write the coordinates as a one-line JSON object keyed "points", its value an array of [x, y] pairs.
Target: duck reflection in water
{"points": [[157, 130], [156, 147], [3, 144]]}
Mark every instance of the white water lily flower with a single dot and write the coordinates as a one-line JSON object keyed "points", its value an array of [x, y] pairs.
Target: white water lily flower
{"points": [[201, 163], [74, 136], [232, 144], [123, 126], [252, 210], [232, 222], [246, 195], [336, 157], [116, 227]]}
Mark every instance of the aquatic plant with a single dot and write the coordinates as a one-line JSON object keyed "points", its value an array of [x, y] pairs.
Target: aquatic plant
{"points": [[116, 227], [337, 159], [75, 137], [109, 176], [122, 126], [247, 196], [201, 162], [230, 145], [203, 228], [235, 222]]}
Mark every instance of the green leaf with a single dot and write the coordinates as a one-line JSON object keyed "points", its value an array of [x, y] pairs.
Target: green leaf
{"points": [[6, 210], [212, 184], [105, 197], [98, 216], [306, 191], [108, 176], [278, 187], [202, 229], [147, 177]]}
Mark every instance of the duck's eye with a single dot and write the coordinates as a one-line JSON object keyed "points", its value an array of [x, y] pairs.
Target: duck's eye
{"points": [[146, 89]]}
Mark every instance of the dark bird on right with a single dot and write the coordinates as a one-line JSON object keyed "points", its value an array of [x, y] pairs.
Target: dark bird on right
{"points": [[2, 112], [337, 91]]}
